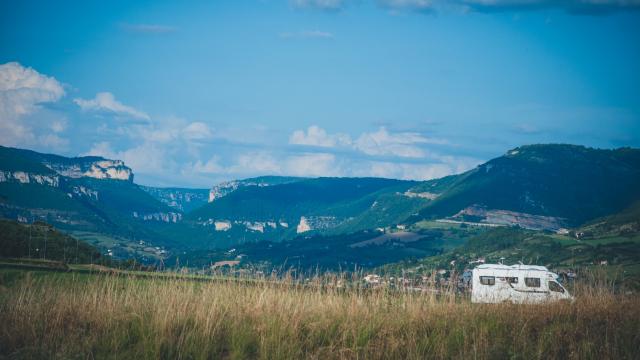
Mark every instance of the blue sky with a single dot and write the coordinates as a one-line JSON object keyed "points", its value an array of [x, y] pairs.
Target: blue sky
{"points": [[191, 93]]}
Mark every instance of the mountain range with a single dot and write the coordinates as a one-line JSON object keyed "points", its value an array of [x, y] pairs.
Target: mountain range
{"points": [[538, 187]]}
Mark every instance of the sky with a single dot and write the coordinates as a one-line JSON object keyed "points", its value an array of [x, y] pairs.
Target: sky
{"points": [[191, 93]]}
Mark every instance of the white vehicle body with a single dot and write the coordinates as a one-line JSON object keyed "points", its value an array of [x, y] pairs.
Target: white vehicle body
{"points": [[518, 284]]}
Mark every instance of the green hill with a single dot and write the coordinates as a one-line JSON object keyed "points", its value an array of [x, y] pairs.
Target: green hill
{"points": [[91, 196], [324, 202], [570, 182], [41, 241]]}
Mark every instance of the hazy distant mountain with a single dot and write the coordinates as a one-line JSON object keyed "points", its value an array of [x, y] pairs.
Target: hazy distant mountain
{"points": [[181, 199], [296, 205], [225, 188]]}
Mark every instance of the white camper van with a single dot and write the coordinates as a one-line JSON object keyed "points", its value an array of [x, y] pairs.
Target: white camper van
{"points": [[519, 284]]}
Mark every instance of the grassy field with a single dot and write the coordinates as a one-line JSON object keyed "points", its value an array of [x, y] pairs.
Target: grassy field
{"points": [[71, 315]]}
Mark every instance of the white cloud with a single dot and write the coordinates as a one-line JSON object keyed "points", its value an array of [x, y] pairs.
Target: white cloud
{"points": [[160, 149], [572, 6], [378, 143], [312, 164], [579, 7], [53, 141], [22, 89], [103, 149], [149, 28], [255, 163], [58, 126], [148, 158], [245, 164], [196, 131], [212, 166], [402, 144], [327, 5], [106, 102], [317, 136], [408, 5], [307, 34], [407, 171], [260, 162]]}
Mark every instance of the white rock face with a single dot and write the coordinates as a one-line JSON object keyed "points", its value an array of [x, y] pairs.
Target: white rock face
{"points": [[422, 195], [109, 169], [100, 169], [227, 187], [159, 216], [284, 224], [84, 191], [254, 226], [29, 178], [303, 226], [222, 190], [222, 225], [308, 223], [500, 217]]}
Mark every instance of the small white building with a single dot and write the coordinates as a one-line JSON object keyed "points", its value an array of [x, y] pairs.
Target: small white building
{"points": [[518, 284]]}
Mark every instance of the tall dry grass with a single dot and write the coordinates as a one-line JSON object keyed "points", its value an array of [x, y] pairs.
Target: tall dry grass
{"points": [[75, 316]]}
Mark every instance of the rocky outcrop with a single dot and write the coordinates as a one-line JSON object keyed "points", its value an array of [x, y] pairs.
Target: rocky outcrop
{"points": [[93, 167], [225, 188], [168, 217], [29, 178], [181, 199], [257, 226], [83, 191], [308, 223], [423, 195], [511, 218], [222, 225]]}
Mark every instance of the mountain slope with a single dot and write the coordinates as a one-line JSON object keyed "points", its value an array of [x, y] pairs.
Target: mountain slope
{"points": [[570, 182], [303, 205], [537, 187], [180, 199], [88, 194], [40, 240]]}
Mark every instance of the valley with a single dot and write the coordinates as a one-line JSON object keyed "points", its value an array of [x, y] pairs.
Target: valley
{"points": [[551, 201]]}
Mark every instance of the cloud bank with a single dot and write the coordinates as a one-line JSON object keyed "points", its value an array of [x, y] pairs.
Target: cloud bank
{"points": [[169, 150], [149, 28], [577, 7], [23, 91], [106, 102]]}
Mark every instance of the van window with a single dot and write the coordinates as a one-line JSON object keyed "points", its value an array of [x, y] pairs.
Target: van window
{"points": [[512, 280], [487, 280], [532, 282], [554, 286]]}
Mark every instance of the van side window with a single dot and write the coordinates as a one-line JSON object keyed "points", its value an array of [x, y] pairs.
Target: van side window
{"points": [[487, 280], [512, 280], [532, 282], [554, 286]]}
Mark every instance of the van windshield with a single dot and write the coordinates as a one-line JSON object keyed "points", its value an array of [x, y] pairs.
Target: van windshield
{"points": [[554, 286]]}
